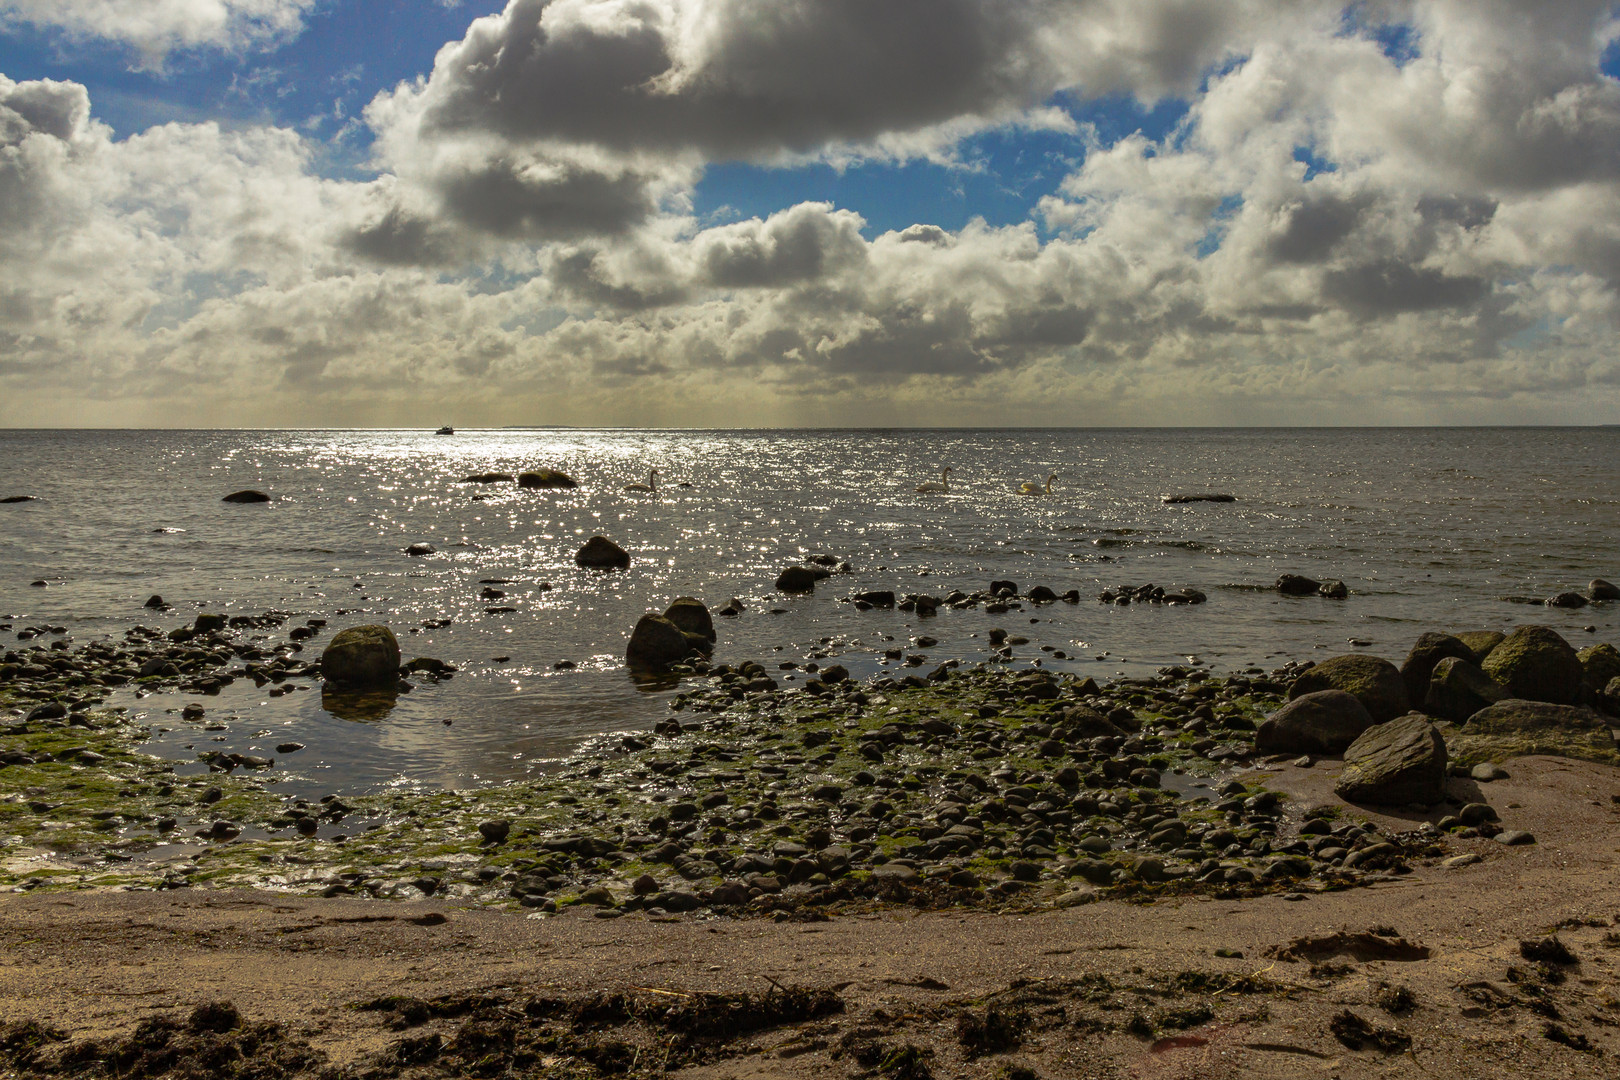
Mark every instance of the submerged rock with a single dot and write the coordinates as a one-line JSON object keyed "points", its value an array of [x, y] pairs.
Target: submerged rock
{"points": [[486, 478], [1297, 585], [546, 478], [1458, 689], [362, 657], [1376, 682], [1537, 664], [246, 497], [601, 553], [1403, 761], [19, 499], [797, 579], [1324, 722], [657, 643], [417, 550], [1602, 590], [1200, 498]]}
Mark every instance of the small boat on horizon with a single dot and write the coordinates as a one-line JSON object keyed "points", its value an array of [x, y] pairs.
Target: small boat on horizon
{"points": [[446, 430]]}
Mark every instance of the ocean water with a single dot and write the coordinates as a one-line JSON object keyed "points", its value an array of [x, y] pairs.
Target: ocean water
{"points": [[1430, 529]]}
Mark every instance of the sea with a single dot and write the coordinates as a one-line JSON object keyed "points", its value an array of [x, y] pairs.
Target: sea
{"points": [[1450, 529]]}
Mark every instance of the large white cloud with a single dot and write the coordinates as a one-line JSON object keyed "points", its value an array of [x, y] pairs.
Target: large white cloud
{"points": [[159, 27], [1333, 233]]}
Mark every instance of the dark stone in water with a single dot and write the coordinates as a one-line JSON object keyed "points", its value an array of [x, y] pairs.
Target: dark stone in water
{"points": [[546, 478], [797, 579], [1298, 585], [246, 497], [601, 553], [1200, 498], [486, 478], [19, 499]]}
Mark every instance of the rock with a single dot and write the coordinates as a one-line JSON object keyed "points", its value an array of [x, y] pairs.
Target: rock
{"points": [[1483, 642], [1600, 665], [208, 624], [51, 710], [289, 747], [691, 616], [1487, 772], [1200, 498], [1537, 664], [246, 497], [155, 602], [1040, 594], [1514, 837], [645, 885], [546, 478], [656, 643], [486, 478], [1393, 764], [1325, 722], [797, 579], [1334, 589], [421, 549], [1297, 585], [18, 499], [362, 656], [1457, 862], [1376, 682], [1516, 716], [495, 831], [1567, 600], [999, 588], [1609, 698], [1602, 590], [1430, 649], [603, 554], [882, 598], [1458, 689], [833, 673]]}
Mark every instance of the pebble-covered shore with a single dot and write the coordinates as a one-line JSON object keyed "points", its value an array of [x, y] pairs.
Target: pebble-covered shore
{"points": [[985, 784]]}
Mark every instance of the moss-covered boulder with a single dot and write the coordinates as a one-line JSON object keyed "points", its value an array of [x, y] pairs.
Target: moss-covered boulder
{"points": [[1393, 764], [1377, 683], [1458, 689], [362, 657], [1600, 664], [1515, 727], [1430, 649], [1483, 642], [1325, 722], [1536, 663]]}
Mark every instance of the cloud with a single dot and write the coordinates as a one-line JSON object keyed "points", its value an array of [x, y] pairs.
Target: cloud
{"points": [[1331, 232], [158, 27]]}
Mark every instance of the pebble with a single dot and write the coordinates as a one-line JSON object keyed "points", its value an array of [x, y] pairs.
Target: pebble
{"points": [[1514, 837], [1457, 862], [1487, 772]]}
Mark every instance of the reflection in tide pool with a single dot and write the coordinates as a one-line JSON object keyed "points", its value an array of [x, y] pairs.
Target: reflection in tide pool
{"points": [[1430, 528]]}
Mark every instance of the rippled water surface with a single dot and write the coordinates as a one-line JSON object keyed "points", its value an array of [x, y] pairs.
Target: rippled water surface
{"points": [[1430, 528]]}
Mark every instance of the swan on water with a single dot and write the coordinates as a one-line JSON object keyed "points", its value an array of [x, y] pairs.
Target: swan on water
{"points": [[651, 486], [941, 488], [1033, 487]]}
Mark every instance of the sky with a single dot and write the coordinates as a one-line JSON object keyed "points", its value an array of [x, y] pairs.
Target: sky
{"points": [[746, 213]]}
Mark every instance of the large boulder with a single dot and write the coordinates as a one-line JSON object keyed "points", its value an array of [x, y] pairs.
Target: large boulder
{"points": [[1325, 722], [1458, 689], [1515, 716], [656, 643], [1608, 698], [1483, 642], [546, 478], [1403, 761], [603, 554], [1376, 682], [1537, 664], [246, 497], [1602, 590], [362, 657], [691, 616], [1431, 648], [1515, 727], [1600, 664]]}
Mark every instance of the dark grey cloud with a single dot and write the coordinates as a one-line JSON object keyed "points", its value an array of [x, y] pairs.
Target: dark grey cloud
{"points": [[1390, 287], [1315, 228]]}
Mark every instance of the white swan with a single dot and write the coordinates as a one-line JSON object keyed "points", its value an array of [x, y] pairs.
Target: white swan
{"points": [[651, 486], [941, 488], [1033, 487]]}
